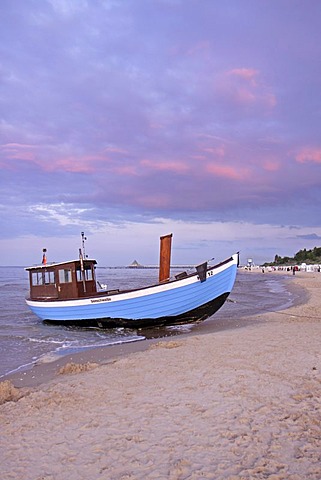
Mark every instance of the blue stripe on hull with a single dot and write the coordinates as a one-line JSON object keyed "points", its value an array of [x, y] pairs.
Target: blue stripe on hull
{"points": [[168, 303]]}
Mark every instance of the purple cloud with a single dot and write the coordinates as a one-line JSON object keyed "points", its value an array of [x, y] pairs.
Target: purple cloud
{"points": [[137, 110]]}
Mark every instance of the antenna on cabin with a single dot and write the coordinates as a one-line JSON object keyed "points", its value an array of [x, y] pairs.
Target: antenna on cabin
{"points": [[83, 238]]}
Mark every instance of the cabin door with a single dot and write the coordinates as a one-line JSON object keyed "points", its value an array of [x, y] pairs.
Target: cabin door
{"points": [[66, 283]]}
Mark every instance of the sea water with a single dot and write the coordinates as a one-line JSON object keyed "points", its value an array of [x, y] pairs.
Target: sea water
{"points": [[26, 340]]}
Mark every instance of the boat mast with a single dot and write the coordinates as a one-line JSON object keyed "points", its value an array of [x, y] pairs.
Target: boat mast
{"points": [[82, 256], [83, 238], [165, 257]]}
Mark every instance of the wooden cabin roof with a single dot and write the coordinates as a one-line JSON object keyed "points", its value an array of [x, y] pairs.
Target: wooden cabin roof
{"points": [[54, 264]]}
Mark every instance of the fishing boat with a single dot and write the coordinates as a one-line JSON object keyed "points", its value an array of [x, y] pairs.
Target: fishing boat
{"points": [[68, 293]]}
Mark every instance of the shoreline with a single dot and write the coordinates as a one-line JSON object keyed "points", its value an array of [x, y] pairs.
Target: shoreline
{"points": [[45, 370], [238, 403]]}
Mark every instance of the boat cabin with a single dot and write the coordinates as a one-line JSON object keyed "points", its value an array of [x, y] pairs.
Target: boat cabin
{"points": [[63, 281]]}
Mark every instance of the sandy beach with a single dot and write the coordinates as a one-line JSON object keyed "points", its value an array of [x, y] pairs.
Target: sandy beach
{"points": [[237, 404]]}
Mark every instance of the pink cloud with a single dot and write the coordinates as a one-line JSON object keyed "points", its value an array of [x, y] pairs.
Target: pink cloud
{"points": [[48, 161], [176, 167], [248, 74], [71, 164], [271, 165], [244, 86], [78, 163], [51, 158], [309, 154], [19, 151], [227, 171]]}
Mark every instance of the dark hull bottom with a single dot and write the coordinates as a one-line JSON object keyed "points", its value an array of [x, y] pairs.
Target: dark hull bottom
{"points": [[195, 315]]}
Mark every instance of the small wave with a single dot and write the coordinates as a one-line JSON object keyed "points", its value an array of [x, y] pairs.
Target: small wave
{"points": [[69, 348], [23, 367], [181, 328], [46, 340], [66, 349], [275, 286], [47, 358]]}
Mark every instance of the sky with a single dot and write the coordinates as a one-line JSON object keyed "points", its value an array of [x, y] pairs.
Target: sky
{"points": [[132, 119]]}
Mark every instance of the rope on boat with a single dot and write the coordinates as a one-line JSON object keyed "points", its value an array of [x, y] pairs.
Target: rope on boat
{"points": [[279, 312]]}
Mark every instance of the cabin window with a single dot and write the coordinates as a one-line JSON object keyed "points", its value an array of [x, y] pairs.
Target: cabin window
{"points": [[88, 274], [65, 276], [50, 277], [42, 278]]}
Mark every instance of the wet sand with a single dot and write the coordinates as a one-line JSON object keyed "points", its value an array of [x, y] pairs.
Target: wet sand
{"points": [[235, 404]]}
